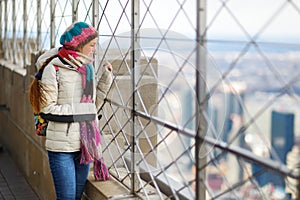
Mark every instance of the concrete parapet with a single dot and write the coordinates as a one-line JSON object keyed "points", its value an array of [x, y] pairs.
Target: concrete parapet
{"points": [[121, 94], [17, 129]]}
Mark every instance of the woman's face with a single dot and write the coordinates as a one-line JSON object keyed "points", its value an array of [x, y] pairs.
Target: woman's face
{"points": [[90, 48]]}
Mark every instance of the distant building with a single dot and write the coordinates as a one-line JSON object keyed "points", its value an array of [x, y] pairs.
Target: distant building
{"points": [[234, 94], [282, 133], [234, 101], [282, 141]]}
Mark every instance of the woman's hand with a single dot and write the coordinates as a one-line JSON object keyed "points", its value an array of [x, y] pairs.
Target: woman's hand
{"points": [[108, 66]]}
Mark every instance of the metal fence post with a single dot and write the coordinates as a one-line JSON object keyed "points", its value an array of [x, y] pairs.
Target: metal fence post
{"points": [[25, 39], [95, 12], [1, 24], [39, 25], [52, 23], [95, 19], [135, 62], [201, 125], [14, 39], [74, 10], [5, 29], [1, 29]]}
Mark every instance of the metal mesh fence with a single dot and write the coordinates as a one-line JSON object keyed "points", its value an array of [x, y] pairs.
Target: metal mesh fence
{"points": [[205, 98]]}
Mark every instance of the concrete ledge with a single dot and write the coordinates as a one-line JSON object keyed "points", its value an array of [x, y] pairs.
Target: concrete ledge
{"points": [[111, 189], [13, 67]]}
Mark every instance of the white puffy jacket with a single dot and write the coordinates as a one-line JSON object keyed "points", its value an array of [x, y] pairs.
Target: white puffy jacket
{"points": [[63, 107]]}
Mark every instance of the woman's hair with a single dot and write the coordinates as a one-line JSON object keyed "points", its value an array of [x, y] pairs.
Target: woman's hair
{"points": [[90, 38], [36, 95]]}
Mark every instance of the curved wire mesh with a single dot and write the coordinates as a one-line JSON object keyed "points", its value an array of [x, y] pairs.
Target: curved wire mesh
{"points": [[244, 126]]}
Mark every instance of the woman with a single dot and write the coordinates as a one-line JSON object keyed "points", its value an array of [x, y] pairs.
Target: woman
{"points": [[70, 101]]}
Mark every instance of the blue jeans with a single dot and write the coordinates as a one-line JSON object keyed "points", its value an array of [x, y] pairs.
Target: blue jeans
{"points": [[68, 174]]}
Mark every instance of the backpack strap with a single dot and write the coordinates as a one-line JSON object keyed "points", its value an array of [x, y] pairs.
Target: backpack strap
{"points": [[56, 69], [39, 73]]}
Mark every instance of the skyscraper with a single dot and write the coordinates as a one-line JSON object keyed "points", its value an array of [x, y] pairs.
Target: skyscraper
{"points": [[282, 134], [282, 141]]}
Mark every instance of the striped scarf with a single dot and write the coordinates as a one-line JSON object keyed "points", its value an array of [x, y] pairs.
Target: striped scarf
{"points": [[90, 140]]}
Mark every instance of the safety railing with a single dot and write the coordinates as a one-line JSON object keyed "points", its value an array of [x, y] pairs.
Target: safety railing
{"points": [[205, 98]]}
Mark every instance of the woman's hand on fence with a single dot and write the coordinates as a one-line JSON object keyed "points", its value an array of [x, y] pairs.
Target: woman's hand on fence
{"points": [[108, 66]]}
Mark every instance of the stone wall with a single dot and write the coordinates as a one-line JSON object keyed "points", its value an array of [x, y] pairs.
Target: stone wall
{"points": [[17, 130]]}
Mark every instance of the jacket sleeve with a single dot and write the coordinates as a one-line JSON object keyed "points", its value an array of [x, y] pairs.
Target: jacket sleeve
{"points": [[51, 110], [103, 86]]}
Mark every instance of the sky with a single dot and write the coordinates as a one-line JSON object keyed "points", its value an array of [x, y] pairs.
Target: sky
{"points": [[273, 18], [278, 20]]}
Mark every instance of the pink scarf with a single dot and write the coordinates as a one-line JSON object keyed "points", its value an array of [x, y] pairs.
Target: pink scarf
{"points": [[90, 140]]}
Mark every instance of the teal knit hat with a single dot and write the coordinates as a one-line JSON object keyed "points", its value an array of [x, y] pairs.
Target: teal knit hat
{"points": [[77, 35]]}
